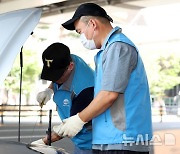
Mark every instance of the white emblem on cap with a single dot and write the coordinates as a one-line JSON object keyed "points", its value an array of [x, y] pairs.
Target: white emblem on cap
{"points": [[48, 62]]}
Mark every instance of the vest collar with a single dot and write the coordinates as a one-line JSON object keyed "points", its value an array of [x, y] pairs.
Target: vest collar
{"points": [[109, 35]]}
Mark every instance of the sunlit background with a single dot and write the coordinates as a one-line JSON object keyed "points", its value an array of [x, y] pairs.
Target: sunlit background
{"points": [[154, 30]]}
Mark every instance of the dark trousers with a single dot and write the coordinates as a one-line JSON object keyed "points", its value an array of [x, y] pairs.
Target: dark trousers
{"points": [[118, 152]]}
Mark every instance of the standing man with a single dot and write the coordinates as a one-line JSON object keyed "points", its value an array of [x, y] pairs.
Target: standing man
{"points": [[73, 88], [120, 110]]}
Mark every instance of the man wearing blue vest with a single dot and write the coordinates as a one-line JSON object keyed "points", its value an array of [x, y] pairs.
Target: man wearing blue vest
{"points": [[120, 111], [73, 88]]}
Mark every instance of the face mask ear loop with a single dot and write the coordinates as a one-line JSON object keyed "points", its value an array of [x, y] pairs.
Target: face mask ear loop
{"points": [[93, 35]]}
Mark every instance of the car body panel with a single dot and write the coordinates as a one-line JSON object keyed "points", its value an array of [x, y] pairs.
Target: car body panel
{"points": [[15, 28]]}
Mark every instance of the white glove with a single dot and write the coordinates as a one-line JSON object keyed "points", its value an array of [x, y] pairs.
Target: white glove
{"points": [[71, 126], [38, 142], [44, 96], [57, 129]]}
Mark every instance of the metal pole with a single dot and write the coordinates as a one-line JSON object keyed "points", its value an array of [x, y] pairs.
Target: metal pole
{"points": [[20, 91], [40, 115], [2, 110]]}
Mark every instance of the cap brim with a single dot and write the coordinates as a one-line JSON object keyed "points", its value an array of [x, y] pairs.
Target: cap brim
{"points": [[52, 75], [109, 18], [69, 25]]}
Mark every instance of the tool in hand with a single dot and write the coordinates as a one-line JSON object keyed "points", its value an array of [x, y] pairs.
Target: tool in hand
{"points": [[49, 128]]}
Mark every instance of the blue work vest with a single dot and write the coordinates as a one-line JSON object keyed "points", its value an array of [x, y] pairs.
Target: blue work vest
{"points": [[82, 78], [137, 110]]}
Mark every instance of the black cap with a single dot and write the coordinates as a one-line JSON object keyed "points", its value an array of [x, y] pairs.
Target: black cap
{"points": [[55, 58], [86, 9]]}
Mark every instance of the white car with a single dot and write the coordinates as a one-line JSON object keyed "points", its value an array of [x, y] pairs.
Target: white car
{"points": [[9, 147]]}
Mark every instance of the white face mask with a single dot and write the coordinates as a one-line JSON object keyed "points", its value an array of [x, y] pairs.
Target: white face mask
{"points": [[89, 44]]}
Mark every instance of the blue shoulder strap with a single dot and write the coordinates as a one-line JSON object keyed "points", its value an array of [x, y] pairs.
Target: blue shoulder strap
{"points": [[118, 36]]}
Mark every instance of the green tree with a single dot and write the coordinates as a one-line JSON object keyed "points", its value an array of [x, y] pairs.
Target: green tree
{"points": [[31, 70], [165, 74]]}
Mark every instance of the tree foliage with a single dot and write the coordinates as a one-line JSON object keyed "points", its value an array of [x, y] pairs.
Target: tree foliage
{"points": [[165, 74], [30, 72]]}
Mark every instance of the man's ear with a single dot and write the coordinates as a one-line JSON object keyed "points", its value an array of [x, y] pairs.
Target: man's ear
{"points": [[71, 66], [94, 23]]}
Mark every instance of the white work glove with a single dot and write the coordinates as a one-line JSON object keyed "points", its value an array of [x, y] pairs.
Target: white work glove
{"points": [[44, 96], [38, 142], [57, 129], [71, 126]]}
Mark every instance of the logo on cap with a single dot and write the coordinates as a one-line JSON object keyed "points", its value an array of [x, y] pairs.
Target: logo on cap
{"points": [[48, 62]]}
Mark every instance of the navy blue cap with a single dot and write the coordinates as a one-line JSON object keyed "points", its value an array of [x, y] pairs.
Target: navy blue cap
{"points": [[86, 9]]}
